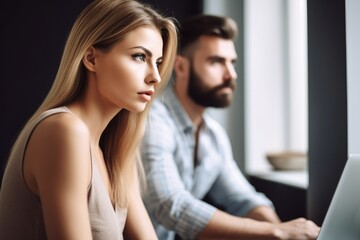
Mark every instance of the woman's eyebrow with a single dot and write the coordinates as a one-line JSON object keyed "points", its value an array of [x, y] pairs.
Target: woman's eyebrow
{"points": [[147, 51]]}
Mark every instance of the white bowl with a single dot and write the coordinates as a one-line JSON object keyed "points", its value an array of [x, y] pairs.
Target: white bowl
{"points": [[288, 160]]}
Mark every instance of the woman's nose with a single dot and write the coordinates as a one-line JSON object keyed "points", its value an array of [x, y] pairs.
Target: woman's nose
{"points": [[154, 76]]}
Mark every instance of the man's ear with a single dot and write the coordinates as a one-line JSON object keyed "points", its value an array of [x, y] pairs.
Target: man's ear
{"points": [[89, 59], [181, 65]]}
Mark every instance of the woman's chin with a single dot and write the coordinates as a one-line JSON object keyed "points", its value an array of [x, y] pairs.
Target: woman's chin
{"points": [[137, 109]]}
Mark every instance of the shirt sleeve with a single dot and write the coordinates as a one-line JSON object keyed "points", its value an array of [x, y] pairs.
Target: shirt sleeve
{"points": [[165, 197], [231, 190]]}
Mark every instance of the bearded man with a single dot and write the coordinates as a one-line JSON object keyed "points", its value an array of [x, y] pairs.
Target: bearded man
{"points": [[194, 188]]}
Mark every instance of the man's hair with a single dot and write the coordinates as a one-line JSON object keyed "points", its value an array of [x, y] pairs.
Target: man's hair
{"points": [[206, 25]]}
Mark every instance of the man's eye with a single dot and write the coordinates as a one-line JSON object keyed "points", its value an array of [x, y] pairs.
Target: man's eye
{"points": [[216, 60], [139, 57]]}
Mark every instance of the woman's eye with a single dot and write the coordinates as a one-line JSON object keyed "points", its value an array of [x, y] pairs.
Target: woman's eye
{"points": [[158, 64], [139, 57]]}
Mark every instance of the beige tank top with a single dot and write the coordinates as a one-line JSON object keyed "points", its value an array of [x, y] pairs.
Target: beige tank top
{"points": [[20, 210]]}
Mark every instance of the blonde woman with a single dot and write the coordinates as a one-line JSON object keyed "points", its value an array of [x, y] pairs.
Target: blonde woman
{"points": [[73, 171]]}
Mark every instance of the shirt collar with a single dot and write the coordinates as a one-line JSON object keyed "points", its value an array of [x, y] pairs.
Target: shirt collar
{"points": [[175, 107]]}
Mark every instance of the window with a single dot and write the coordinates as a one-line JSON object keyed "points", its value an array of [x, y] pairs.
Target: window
{"points": [[274, 102]]}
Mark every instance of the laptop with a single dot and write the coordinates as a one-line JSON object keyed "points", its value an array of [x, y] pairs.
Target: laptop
{"points": [[342, 220]]}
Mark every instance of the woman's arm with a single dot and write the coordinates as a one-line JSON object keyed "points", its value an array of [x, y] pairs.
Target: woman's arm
{"points": [[57, 168], [138, 224]]}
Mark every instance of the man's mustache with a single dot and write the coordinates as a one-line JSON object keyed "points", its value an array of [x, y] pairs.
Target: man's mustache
{"points": [[228, 84]]}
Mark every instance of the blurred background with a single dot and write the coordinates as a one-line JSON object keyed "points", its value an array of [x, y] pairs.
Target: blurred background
{"points": [[295, 89]]}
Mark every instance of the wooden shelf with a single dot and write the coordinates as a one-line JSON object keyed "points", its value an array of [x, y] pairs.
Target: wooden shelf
{"points": [[297, 179]]}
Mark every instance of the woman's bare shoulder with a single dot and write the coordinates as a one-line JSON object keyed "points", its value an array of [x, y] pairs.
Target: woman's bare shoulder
{"points": [[61, 135], [64, 124], [59, 148], [57, 167]]}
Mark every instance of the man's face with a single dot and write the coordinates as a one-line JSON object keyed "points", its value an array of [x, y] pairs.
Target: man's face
{"points": [[212, 76]]}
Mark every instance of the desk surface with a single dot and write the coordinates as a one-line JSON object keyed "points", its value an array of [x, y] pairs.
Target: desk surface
{"points": [[298, 179]]}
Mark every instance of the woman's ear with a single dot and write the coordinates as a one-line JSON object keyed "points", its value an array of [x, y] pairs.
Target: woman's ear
{"points": [[89, 59]]}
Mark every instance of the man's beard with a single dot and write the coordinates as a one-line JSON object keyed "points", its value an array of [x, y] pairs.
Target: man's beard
{"points": [[209, 97]]}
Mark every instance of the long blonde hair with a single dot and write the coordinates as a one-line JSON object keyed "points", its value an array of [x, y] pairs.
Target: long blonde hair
{"points": [[102, 24]]}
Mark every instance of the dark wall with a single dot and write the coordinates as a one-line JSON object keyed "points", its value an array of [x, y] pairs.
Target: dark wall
{"points": [[32, 37], [327, 102], [33, 34]]}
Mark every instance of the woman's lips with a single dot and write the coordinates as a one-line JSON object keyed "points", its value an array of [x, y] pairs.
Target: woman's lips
{"points": [[146, 95]]}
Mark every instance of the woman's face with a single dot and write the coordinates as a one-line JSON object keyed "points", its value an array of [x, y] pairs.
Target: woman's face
{"points": [[126, 75]]}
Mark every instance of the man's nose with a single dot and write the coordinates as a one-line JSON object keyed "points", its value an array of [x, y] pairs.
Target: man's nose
{"points": [[230, 72]]}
